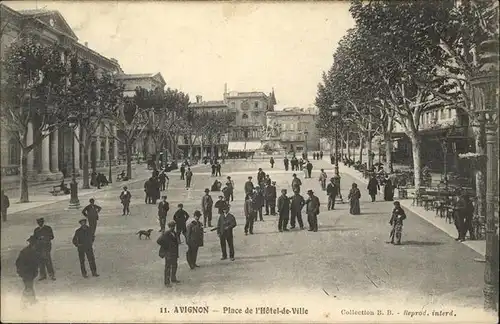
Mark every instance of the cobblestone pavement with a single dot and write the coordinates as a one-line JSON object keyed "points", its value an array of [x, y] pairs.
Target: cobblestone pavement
{"points": [[347, 260]]}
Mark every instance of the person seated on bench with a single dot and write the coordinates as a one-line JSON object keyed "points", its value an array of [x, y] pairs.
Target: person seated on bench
{"points": [[216, 186], [64, 188], [122, 176], [102, 180]]}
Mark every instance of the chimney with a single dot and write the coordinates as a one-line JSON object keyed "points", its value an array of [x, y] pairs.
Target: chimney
{"points": [[86, 44], [225, 88], [198, 99]]}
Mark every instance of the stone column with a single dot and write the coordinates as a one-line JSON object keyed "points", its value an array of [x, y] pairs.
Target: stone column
{"points": [[115, 144], [55, 151], [98, 146], [75, 136], [30, 157], [45, 157], [106, 148]]}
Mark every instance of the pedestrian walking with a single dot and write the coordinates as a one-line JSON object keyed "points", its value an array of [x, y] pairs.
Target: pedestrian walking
{"points": [[163, 208], [322, 179], [296, 183], [206, 207], [271, 161], [163, 180], [258, 198], [169, 250], [286, 163], [261, 176], [249, 186], [5, 205], [297, 202], [250, 214], [91, 212], [270, 197], [180, 218], [27, 268], [214, 167], [354, 196], [189, 176], [218, 168], [147, 191], [283, 211], [183, 171], [388, 189], [83, 240], [321, 155], [312, 209], [194, 239], [463, 216], [225, 226], [309, 168], [373, 187], [331, 191], [397, 218], [230, 187], [44, 236], [155, 189], [125, 197]]}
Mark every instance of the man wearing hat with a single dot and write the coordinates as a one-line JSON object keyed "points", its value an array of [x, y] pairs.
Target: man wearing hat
{"points": [[206, 207], [83, 240], [331, 191], [249, 186], [91, 212], [163, 208], [221, 204], [194, 239], [312, 210], [180, 218], [283, 211], [297, 202], [44, 235], [270, 196], [27, 269], [225, 226], [261, 176], [169, 249], [296, 183], [125, 197], [230, 187]]}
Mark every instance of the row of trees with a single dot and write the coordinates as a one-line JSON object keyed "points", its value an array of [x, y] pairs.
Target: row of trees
{"points": [[48, 87], [403, 59]]}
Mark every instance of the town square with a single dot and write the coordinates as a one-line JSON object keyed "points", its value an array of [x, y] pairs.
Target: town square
{"points": [[365, 191]]}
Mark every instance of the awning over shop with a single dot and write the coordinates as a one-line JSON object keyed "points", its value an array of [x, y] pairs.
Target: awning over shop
{"points": [[244, 146]]}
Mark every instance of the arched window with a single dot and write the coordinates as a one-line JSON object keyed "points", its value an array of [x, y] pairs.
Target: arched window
{"points": [[256, 104]]}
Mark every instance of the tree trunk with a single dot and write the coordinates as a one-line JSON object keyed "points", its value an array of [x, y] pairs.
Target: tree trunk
{"points": [[24, 176], [388, 153], [416, 152], [85, 164], [361, 145], [480, 179], [370, 153], [128, 157], [347, 144]]}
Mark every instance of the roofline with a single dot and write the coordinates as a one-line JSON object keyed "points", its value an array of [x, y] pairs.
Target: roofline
{"points": [[116, 64], [49, 12]]}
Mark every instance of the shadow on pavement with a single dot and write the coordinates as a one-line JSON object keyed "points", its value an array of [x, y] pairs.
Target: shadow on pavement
{"points": [[264, 256], [417, 243], [336, 229]]}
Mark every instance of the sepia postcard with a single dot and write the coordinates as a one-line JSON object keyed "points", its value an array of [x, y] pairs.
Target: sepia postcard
{"points": [[249, 161]]}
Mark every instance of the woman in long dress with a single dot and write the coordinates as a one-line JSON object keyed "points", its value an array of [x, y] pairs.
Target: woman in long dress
{"points": [[354, 196], [388, 190]]}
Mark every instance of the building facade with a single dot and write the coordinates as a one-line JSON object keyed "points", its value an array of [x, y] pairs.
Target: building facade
{"points": [[55, 154], [292, 129]]}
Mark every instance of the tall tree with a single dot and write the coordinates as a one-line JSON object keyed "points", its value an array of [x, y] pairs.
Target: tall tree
{"points": [[32, 87], [91, 98]]}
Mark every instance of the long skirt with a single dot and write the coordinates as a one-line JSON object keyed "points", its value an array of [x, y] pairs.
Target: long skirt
{"points": [[355, 209], [388, 193]]}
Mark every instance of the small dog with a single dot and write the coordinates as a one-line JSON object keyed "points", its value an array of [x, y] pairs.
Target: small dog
{"points": [[147, 233]]}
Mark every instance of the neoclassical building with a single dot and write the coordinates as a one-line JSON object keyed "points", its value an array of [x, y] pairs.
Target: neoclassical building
{"points": [[54, 155]]}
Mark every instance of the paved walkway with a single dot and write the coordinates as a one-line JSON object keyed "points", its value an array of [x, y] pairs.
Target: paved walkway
{"points": [[430, 216]]}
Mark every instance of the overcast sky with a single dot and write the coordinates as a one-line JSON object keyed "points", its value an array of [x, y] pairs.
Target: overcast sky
{"points": [[198, 46]]}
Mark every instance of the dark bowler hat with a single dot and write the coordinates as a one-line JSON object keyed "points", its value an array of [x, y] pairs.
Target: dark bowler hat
{"points": [[41, 219], [197, 213], [207, 190], [83, 220], [310, 191]]}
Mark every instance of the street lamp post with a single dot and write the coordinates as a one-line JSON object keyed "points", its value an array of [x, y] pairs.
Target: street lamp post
{"points": [[335, 115], [305, 134], [110, 152], [485, 95], [74, 202]]}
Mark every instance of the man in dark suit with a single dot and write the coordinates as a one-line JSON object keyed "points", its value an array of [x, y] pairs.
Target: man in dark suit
{"points": [[83, 240], [270, 195], [180, 218], [283, 211], [312, 210], [91, 212], [206, 207], [125, 197], [331, 191], [163, 208], [44, 235], [249, 186], [169, 249], [261, 176], [221, 204], [194, 239], [250, 214], [297, 202], [27, 269], [225, 226]]}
